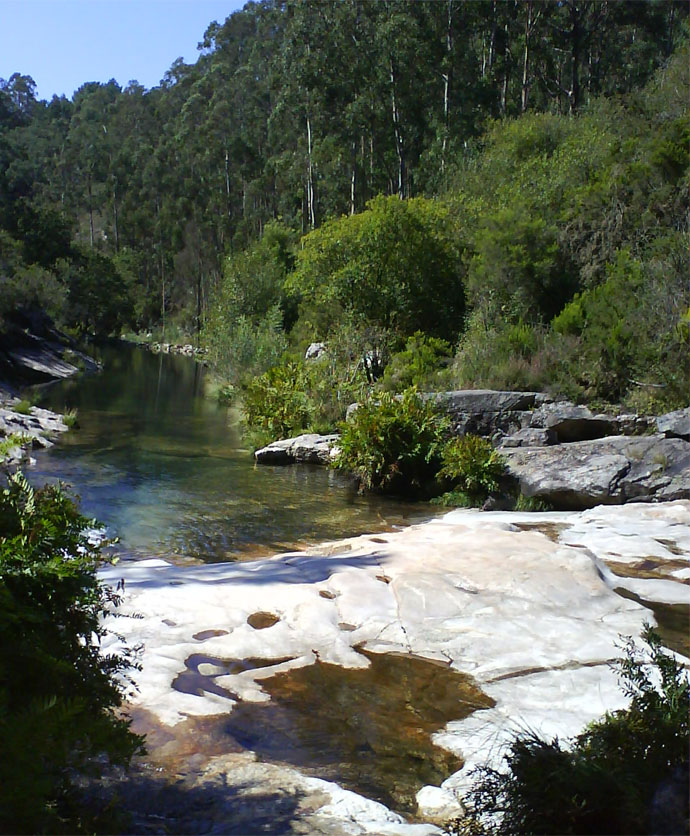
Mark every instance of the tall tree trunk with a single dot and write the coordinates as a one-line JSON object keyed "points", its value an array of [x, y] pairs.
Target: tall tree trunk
{"points": [[399, 145], [575, 35], [115, 221], [90, 209], [353, 180], [506, 69], [524, 93], [446, 85], [227, 183], [310, 179]]}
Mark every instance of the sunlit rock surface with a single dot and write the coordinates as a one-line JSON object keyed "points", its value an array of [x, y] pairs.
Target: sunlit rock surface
{"points": [[522, 603]]}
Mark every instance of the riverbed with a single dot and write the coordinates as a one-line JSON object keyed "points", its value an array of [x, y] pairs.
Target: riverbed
{"points": [[345, 686]]}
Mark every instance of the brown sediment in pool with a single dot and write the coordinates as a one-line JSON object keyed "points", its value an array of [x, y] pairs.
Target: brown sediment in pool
{"points": [[650, 568], [673, 621], [369, 728], [262, 620], [549, 529], [204, 635]]}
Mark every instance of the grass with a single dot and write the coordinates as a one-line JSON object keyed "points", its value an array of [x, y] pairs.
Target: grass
{"points": [[12, 441], [22, 407], [70, 418]]}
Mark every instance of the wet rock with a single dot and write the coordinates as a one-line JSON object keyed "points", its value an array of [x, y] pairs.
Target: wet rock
{"points": [[675, 424], [612, 470], [309, 448]]}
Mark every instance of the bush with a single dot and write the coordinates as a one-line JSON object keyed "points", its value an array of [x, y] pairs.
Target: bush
{"points": [[419, 364], [617, 777], [473, 466], [276, 403], [396, 265], [393, 444], [57, 690]]}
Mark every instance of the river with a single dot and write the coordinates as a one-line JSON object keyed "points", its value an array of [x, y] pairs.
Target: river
{"points": [[166, 469]]}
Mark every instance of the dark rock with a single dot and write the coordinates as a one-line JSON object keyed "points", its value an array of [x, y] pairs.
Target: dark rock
{"points": [[603, 471], [675, 424], [530, 437], [572, 423]]}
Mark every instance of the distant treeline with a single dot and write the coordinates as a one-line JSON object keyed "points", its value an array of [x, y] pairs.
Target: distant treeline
{"points": [[299, 111]]}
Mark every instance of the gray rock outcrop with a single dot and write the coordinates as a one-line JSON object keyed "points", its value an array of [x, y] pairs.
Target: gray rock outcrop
{"points": [[606, 471], [309, 448], [35, 429], [675, 424], [314, 351]]}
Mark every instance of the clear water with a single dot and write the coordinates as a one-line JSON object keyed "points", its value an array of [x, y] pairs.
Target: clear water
{"points": [[167, 471]]}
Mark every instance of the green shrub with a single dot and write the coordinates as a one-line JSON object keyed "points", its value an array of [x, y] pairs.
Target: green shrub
{"points": [[71, 418], [57, 690], [393, 444], [12, 441], [22, 407], [473, 466], [276, 403], [615, 778], [418, 364], [396, 265]]}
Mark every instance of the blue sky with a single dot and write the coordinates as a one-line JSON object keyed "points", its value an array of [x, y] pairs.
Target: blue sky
{"points": [[63, 43]]}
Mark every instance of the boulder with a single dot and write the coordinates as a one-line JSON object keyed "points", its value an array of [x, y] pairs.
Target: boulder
{"points": [[315, 351], [529, 437], [604, 471], [309, 448], [675, 424], [572, 423]]}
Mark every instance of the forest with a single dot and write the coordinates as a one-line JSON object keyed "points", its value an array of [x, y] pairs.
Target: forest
{"points": [[422, 196], [503, 183]]}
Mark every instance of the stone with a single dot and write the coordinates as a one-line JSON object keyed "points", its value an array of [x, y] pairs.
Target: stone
{"points": [[529, 437], [309, 448], [571, 423], [675, 424], [314, 351], [604, 471]]}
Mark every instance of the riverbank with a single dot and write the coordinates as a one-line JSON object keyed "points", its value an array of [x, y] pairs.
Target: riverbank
{"points": [[523, 604]]}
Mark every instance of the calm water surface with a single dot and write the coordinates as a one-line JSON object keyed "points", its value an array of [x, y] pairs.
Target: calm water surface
{"points": [[167, 471]]}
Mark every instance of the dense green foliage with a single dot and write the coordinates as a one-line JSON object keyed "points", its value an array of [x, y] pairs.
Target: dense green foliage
{"points": [[394, 444], [510, 178], [626, 773], [394, 265], [57, 690], [473, 467]]}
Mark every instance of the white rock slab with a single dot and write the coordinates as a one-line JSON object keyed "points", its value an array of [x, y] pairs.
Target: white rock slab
{"points": [[532, 617]]}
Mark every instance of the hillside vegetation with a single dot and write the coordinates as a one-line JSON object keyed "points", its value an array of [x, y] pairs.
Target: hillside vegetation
{"points": [[504, 184]]}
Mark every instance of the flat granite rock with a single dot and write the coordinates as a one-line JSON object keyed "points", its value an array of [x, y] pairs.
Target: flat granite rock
{"points": [[517, 601], [607, 471]]}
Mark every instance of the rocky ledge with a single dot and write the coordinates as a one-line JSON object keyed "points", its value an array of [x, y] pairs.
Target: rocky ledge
{"points": [[558, 452], [525, 605], [35, 428]]}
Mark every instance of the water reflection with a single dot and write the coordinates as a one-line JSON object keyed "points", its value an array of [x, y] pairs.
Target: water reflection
{"points": [[167, 472]]}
